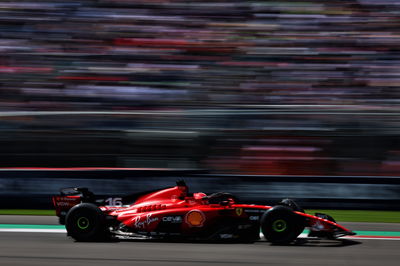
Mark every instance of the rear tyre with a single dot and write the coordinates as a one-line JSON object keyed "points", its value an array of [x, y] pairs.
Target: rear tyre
{"points": [[86, 222], [280, 225]]}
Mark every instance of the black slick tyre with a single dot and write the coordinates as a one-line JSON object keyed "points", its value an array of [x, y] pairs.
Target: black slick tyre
{"points": [[86, 222], [280, 225]]}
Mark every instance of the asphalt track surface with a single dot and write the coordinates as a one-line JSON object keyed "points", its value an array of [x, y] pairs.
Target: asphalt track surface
{"points": [[56, 249]]}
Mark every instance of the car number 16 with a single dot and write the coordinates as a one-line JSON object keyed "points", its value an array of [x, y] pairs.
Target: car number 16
{"points": [[114, 202]]}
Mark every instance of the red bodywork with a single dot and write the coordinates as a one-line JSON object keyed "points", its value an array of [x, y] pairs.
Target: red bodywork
{"points": [[188, 215], [63, 204]]}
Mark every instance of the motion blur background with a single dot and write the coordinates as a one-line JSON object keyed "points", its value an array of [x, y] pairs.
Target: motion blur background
{"points": [[237, 87], [266, 87]]}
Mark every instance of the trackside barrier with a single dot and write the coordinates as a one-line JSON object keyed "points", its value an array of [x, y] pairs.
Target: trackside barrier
{"points": [[33, 188]]}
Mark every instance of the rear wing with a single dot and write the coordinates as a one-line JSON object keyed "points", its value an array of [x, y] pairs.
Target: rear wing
{"points": [[71, 196], [68, 198]]}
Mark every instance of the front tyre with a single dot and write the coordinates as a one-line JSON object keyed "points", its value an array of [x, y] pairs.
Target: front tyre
{"points": [[280, 225], [86, 222]]}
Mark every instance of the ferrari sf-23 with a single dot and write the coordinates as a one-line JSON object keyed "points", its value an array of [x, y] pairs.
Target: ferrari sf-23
{"points": [[173, 214]]}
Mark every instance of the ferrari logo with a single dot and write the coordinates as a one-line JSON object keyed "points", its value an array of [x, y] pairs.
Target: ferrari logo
{"points": [[239, 211]]}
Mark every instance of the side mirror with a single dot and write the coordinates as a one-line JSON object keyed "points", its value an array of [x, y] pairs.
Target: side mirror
{"points": [[224, 203], [181, 183]]}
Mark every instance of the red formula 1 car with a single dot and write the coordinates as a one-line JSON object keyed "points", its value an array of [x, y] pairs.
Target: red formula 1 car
{"points": [[173, 213]]}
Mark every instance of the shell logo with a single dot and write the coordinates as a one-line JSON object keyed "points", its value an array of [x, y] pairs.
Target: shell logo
{"points": [[195, 218]]}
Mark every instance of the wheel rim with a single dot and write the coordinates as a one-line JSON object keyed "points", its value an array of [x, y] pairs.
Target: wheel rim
{"points": [[83, 223], [279, 225]]}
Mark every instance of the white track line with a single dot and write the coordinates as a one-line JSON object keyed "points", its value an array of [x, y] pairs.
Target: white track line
{"points": [[27, 230], [63, 231]]}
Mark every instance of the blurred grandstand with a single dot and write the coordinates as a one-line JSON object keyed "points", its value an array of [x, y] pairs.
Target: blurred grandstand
{"points": [[251, 87]]}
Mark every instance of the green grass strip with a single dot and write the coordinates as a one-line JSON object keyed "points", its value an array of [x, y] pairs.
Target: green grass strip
{"points": [[339, 215], [377, 233], [361, 216], [27, 212]]}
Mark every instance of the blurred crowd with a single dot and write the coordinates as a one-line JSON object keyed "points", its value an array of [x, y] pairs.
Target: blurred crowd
{"points": [[124, 54], [130, 55]]}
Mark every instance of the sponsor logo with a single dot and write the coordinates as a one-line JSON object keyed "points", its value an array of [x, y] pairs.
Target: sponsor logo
{"points": [[195, 218], [172, 219], [239, 211], [244, 226], [64, 204], [66, 201], [138, 223], [254, 211], [226, 236], [317, 226], [109, 208], [254, 218]]}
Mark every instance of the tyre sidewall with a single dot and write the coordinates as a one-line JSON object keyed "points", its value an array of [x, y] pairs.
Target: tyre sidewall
{"points": [[85, 222], [280, 225]]}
